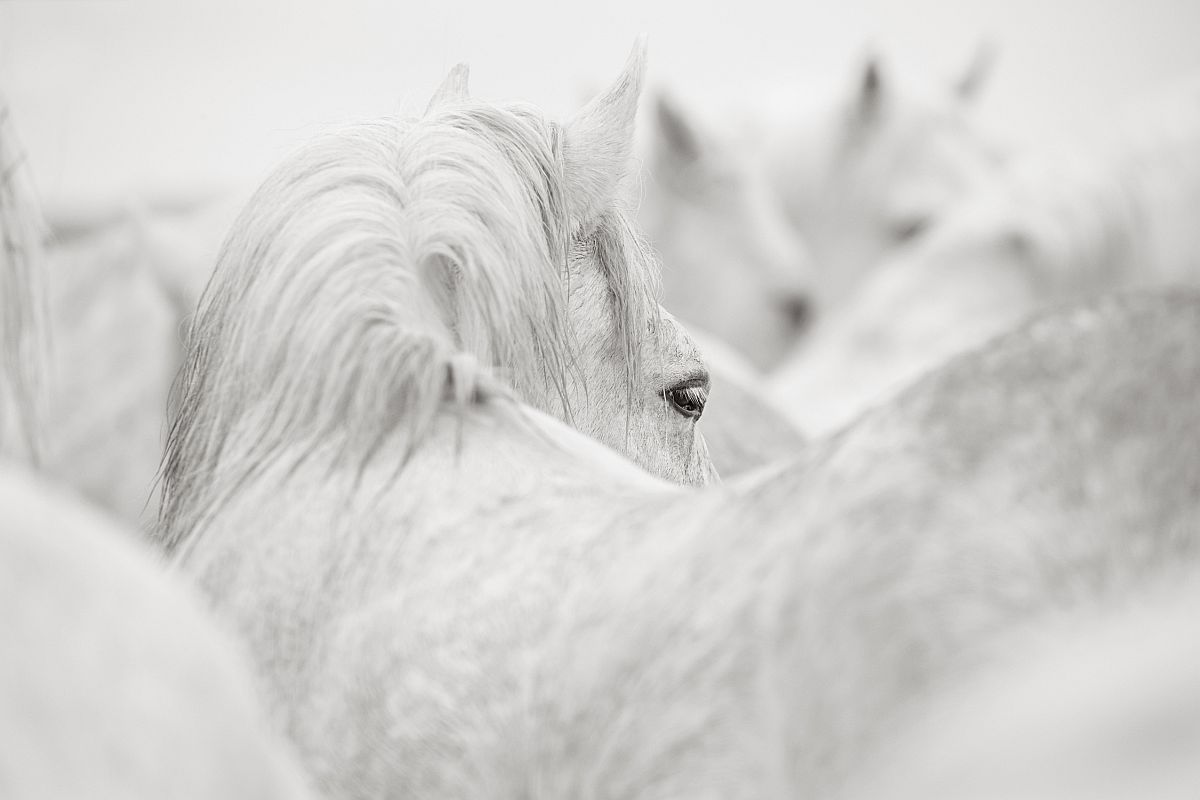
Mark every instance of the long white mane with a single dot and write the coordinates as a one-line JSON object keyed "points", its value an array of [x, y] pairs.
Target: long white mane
{"points": [[23, 336], [382, 273]]}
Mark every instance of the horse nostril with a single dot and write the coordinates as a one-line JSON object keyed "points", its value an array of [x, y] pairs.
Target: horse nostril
{"points": [[797, 310]]}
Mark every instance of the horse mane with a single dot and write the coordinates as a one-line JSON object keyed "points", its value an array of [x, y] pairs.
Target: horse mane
{"points": [[23, 329], [383, 273]]}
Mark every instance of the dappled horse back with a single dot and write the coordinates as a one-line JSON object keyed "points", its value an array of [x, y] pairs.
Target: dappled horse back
{"points": [[22, 300], [1053, 471]]}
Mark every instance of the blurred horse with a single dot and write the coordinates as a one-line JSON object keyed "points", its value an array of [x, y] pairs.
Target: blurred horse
{"points": [[111, 310], [743, 428], [1101, 704], [733, 264], [454, 594], [23, 329], [123, 282], [865, 174], [1053, 228], [370, 265], [118, 347], [113, 683]]}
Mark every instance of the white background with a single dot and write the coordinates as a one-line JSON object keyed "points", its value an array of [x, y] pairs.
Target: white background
{"points": [[118, 98]]}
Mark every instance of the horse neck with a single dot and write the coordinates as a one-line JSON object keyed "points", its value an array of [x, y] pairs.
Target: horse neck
{"points": [[808, 613], [501, 515]]}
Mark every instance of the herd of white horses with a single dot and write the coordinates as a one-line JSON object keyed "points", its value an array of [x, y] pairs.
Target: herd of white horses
{"points": [[439, 505]]}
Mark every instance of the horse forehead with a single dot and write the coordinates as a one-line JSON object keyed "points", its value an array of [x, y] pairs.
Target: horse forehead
{"points": [[681, 355]]}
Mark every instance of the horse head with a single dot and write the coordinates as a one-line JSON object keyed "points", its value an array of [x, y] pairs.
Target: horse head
{"points": [[732, 262]]}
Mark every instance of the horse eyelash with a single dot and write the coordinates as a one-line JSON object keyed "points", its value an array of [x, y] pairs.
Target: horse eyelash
{"points": [[584, 244]]}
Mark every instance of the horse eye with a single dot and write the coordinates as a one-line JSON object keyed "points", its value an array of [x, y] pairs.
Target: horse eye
{"points": [[797, 310], [688, 399], [910, 229]]}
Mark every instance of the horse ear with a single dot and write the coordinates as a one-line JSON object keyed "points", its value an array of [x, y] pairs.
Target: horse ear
{"points": [[869, 94], [598, 142], [977, 73], [677, 138], [453, 88]]}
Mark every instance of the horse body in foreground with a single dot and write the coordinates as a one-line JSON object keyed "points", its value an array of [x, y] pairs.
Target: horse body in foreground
{"points": [[518, 610], [451, 593]]}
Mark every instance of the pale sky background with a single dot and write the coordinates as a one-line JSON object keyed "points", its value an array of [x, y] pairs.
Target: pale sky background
{"points": [[115, 98]]}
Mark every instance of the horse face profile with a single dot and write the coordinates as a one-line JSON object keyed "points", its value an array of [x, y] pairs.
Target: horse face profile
{"points": [[733, 265], [644, 404]]}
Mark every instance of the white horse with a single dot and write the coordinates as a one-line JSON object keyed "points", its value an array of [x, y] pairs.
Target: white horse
{"points": [[393, 249], [1053, 228], [865, 174], [453, 594], [113, 683], [733, 265]]}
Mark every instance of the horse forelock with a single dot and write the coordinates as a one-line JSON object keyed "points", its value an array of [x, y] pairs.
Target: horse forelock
{"points": [[324, 325], [23, 330]]}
